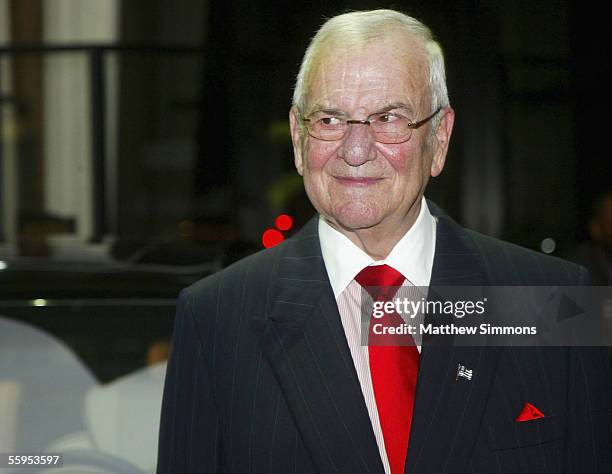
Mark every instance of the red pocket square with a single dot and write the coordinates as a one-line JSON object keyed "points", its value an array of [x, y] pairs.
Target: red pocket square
{"points": [[529, 412]]}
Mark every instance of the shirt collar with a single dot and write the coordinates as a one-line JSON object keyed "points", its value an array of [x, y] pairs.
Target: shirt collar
{"points": [[412, 256]]}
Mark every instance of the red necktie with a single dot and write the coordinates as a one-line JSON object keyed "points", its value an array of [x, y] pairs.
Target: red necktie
{"points": [[394, 365]]}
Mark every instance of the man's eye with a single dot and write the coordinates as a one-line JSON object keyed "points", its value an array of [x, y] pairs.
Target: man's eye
{"points": [[327, 121], [386, 118]]}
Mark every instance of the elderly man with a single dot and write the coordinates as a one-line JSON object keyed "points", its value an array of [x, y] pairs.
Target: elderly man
{"points": [[268, 372]]}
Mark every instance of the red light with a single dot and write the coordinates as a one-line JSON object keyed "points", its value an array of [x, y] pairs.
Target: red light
{"points": [[271, 237], [284, 222]]}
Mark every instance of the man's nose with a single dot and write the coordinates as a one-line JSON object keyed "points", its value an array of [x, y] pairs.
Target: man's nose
{"points": [[357, 144]]}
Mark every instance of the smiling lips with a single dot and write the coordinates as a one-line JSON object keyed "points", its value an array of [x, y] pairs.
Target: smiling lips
{"points": [[357, 182]]}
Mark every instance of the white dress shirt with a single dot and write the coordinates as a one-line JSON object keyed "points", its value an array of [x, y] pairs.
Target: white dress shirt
{"points": [[412, 256]]}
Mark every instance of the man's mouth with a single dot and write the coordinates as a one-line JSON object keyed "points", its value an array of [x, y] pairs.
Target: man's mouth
{"points": [[357, 182]]}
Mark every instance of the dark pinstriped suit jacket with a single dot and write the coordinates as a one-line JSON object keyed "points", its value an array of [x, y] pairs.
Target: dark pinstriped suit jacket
{"points": [[261, 379]]}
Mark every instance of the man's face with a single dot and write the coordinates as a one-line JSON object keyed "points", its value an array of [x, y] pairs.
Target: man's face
{"points": [[356, 182]]}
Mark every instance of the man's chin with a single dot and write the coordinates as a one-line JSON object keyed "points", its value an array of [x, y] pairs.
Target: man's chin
{"points": [[352, 223]]}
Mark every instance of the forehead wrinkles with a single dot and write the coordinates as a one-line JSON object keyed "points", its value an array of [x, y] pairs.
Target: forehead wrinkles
{"points": [[375, 73], [349, 83]]}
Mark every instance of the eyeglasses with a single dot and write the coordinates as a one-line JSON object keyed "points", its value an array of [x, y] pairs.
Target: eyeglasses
{"points": [[388, 127]]}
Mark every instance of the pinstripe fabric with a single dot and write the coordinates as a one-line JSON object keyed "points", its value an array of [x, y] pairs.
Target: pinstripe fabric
{"points": [[261, 378], [349, 306]]}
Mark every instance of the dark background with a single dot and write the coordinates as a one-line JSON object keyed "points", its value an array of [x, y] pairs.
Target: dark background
{"points": [[204, 154]]}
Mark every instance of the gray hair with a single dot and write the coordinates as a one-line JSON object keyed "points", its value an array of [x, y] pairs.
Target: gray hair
{"points": [[364, 26]]}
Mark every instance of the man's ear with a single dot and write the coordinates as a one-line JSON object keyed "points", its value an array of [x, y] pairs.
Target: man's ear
{"points": [[441, 140], [296, 138]]}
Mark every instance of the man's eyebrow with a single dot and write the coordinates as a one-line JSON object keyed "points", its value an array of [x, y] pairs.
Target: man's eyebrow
{"points": [[327, 110], [393, 106], [318, 108]]}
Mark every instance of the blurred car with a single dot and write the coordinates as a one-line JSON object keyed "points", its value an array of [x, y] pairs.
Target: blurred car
{"points": [[82, 357]]}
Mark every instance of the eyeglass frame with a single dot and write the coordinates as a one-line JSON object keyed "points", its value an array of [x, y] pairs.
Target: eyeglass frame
{"points": [[410, 125]]}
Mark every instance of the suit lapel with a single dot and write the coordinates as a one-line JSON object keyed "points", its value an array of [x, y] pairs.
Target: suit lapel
{"points": [[305, 344], [448, 409]]}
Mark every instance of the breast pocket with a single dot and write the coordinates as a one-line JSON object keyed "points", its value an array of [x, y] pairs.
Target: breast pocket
{"points": [[504, 433]]}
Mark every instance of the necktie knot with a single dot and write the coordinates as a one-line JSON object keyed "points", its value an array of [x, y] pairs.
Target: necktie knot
{"points": [[378, 279]]}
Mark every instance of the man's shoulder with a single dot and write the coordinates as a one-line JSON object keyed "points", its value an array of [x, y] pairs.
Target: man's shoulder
{"points": [[257, 271], [217, 305], [508, 263], [253, 271], [505, 263]]}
